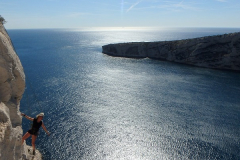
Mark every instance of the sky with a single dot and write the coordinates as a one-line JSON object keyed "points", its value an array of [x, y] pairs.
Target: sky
{"points": [[25, 14]]}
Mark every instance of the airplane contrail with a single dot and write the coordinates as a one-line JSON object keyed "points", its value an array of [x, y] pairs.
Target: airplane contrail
{"points": [[130, 8]]}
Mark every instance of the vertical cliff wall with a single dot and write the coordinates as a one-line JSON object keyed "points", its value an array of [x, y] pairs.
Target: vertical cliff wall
{"points": [[12, 85], [220, 52]]}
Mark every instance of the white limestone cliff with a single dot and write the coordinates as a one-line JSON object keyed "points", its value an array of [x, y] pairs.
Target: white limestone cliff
{"points": [[219, 52], [12, 85]]}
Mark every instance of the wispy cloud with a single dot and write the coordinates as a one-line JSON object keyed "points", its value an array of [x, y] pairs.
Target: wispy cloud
{"points": [[221, 0], [177, 6], [132, 6], [167, 5]]}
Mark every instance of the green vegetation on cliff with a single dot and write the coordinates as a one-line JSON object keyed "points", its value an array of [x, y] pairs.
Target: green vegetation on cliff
{"points": [[2, 20]]}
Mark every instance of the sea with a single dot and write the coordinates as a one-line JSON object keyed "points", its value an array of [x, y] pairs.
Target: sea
{"points": [[99, 107]]}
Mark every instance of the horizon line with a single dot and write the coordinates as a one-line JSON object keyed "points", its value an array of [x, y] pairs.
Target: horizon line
{"points": [[117, 28]]}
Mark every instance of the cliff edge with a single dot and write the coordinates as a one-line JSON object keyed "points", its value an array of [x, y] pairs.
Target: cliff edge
{"points": [[12, 85], [218, 52]]}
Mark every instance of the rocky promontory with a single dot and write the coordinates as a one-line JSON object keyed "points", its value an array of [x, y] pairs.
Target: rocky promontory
{"points": [[12, 86], [219, 52]]}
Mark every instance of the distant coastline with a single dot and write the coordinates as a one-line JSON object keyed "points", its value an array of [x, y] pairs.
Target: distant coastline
{"points": [[204, 29], [218, 52]]}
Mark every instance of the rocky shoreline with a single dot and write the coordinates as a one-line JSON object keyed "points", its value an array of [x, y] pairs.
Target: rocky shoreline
{"points": [[12, 86], [218, 52]]}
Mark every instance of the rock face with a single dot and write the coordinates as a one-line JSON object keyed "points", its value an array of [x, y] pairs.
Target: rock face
{"points": [[219, 52], [12, 85]]}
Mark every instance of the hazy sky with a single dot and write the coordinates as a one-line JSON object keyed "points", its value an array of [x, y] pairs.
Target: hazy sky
{"points": [[120, 13]]}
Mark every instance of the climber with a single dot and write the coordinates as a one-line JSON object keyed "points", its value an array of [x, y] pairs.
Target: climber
{"points": [[37, 123]]}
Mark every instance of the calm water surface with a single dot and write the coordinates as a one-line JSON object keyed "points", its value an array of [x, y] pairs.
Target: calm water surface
{"points": [[103, 108]]}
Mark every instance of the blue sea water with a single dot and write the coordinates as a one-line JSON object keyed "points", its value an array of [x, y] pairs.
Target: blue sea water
{"points": [[99, 107]]}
